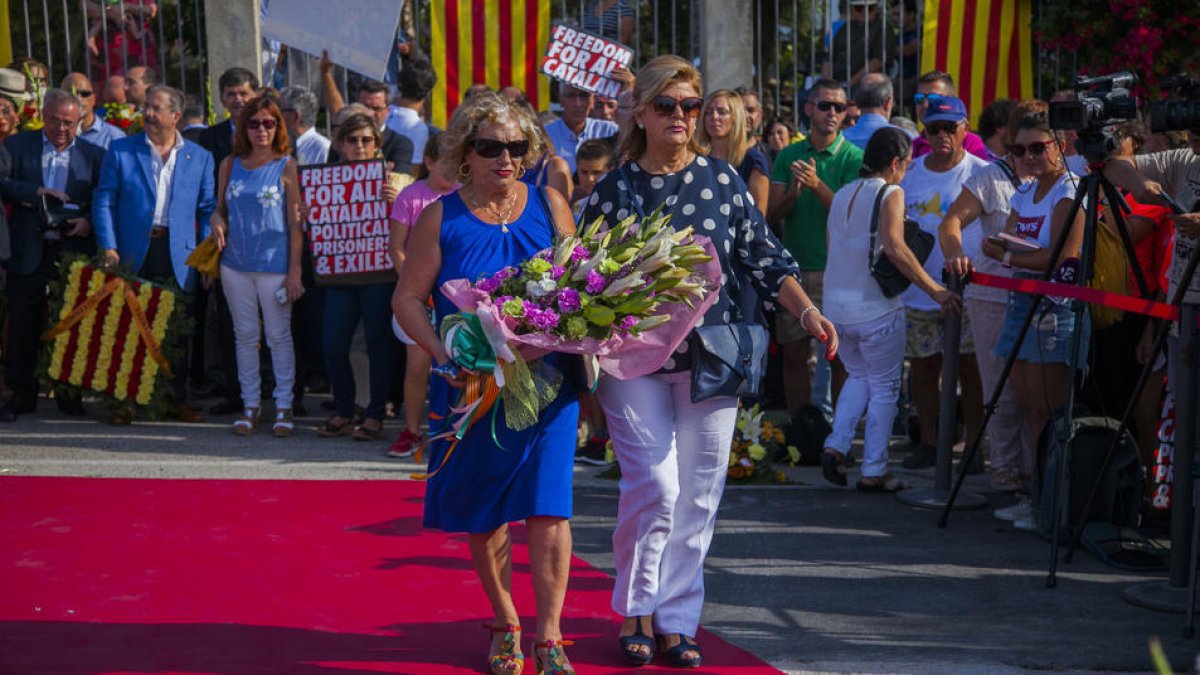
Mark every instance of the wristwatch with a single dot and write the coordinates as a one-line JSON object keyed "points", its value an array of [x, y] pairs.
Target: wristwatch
{"points": [[1007, 259]]}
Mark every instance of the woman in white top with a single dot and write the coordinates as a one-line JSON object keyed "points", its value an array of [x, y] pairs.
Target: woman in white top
{"points": [[872, 326], [1039, 214]]}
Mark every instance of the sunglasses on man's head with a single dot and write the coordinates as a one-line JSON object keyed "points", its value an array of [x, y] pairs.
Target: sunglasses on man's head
{"points": [[490, 148], [826, 106], [935, 128], [1035, 149], [665, 105], [266, 125], [918, 99]]}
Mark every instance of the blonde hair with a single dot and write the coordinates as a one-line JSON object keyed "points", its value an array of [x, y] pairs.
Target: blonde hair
{"points": [[660, 73], [488, 107], [738, 140]]}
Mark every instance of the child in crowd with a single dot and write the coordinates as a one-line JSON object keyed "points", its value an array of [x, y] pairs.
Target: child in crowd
{"points": [[593, 160], [436, 180]]}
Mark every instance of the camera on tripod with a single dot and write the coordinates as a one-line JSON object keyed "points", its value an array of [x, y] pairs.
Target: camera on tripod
{"points": [[1177, 115], [1101, 102]]}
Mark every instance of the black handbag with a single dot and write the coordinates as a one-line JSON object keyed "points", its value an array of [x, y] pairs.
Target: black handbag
{"points": [[727, 360], [886, 274], [54, 214]]}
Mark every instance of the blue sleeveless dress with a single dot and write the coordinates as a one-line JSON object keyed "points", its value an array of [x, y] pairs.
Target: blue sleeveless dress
{"points": [[483, 486]]}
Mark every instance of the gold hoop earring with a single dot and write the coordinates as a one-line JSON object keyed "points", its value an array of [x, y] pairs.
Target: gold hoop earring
{"points": [[463, 174], [520, 171]]}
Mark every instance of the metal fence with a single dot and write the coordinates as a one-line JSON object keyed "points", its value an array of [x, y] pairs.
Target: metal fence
{"points": [[109, 37]]}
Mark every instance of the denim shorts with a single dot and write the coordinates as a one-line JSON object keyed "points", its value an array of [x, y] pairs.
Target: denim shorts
{"points": [[1049, 339]]}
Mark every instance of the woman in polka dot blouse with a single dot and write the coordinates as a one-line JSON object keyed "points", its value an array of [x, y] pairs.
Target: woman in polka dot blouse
{"points": [[673, 452]]}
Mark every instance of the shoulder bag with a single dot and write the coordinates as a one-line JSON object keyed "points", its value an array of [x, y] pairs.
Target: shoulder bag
{"points": [[891, 281]]}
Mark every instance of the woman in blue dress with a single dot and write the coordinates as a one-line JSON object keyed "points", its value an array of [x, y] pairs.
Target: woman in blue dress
{"points": [[493, 221]]}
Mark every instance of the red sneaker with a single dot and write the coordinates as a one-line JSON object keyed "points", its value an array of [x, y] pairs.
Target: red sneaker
{"points": [[406, 444]]}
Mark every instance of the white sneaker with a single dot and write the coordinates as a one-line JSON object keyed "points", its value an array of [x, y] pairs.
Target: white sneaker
{"points": [[1026, 524], [1022, 509]]}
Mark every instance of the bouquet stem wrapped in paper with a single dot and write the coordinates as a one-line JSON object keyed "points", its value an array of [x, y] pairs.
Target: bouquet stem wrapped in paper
{"points": [[624, 298]]}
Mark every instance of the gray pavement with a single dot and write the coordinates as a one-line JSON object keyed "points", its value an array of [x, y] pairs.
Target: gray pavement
{"points": [[812, 578]]}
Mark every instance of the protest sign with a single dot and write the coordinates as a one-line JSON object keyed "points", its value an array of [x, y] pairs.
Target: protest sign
{"points": [[347, 221], [585, 61], [357, 33]]}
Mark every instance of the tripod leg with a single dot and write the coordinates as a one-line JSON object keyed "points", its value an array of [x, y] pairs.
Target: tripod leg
{"points": [[1189, 624]]}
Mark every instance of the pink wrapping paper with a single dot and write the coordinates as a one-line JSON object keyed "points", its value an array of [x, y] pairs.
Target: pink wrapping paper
{"points": [[622, 357]]}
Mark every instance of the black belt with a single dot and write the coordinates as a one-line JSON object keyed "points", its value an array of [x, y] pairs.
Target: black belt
{"points": [[158, 232]]}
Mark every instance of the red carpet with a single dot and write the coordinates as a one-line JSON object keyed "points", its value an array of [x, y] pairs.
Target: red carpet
{"points": [[240, 577]]}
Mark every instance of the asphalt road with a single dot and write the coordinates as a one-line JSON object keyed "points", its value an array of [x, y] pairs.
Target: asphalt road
{"points": [[812, 578]]}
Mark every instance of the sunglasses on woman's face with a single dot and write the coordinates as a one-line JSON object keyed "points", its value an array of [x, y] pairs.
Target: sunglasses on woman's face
{"points": [[665, 105], [1034, 149], [490, 148], [266, 125], [826, 106], [360, 140]]}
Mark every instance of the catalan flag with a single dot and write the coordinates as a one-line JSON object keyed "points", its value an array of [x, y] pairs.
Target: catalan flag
{"points": [[494, 42], [987, 45]]}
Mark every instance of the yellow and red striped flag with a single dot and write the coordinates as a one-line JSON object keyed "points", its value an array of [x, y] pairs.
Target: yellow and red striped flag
{"points": [[494, 42], [987, 45]]}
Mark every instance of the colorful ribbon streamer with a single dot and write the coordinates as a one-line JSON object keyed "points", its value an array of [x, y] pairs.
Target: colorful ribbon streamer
{"points": [[1128, 303]]}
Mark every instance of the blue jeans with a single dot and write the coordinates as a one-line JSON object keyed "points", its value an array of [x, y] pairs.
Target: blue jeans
{"points": [[344, 306]]}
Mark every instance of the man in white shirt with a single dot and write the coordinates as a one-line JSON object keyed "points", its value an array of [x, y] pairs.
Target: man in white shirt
{"points": [[417, 79], [91, 128], [152, 208], [575, 126], [299, 108], [930, 187]]}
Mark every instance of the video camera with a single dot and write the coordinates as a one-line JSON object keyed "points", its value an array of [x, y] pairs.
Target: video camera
{"points": [[1177, 115], [1101, 101]]}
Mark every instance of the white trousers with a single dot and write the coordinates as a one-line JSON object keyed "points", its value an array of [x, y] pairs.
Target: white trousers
{"points": [[873, 354], [674, 455], [1007, 443], [246, 293]]}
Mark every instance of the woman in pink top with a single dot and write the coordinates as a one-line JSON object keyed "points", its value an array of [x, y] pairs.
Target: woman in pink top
{"points": [[436, 180]]}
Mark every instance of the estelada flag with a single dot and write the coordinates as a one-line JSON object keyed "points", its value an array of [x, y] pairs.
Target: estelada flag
{"points": [[494, 42], [987, 45]]}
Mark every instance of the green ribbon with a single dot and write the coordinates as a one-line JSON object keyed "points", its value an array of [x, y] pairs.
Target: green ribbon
{"points": [[469, 346]]}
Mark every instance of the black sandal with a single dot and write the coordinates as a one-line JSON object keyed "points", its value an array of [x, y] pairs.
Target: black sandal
{"points": [[328, 429], [833, 467], [630, 643], [675, 655]]}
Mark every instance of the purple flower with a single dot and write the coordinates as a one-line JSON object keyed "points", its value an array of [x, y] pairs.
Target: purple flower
{"points": [[580, 254], [543, 319], [531, 307], [557, 271], [595, 282], [506, 273], [488, 285], [544, 255], [568, 300], [627, 323]]}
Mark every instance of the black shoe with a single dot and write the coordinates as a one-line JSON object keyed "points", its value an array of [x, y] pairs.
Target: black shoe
{"points": [[71, 407], [7, 414], [226, 408], [923, 457], [22, 406]]}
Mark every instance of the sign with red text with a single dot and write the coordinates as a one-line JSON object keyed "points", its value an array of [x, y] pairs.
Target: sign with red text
{"points": [[347, 220], [585, 61]]}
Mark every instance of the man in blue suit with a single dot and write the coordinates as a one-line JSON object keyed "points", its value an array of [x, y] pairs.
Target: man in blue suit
{"points": [[152, 207], [55, 165]]}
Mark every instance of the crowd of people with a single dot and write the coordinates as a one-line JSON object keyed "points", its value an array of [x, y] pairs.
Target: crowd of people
{"points": [[802, 223]]}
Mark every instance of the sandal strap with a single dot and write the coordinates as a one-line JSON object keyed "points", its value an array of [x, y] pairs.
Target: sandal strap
{"points": [[551, 644], [507, 628]]}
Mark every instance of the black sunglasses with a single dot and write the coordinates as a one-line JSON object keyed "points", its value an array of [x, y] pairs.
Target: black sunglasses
{"points": [[941, 127], [665, 105], [1035, 149], [825, 106], [490, 148], [267, 125]]}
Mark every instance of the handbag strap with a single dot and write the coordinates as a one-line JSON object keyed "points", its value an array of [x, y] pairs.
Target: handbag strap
{"points": [[1009, 173], [875, 226], [633, 202]]}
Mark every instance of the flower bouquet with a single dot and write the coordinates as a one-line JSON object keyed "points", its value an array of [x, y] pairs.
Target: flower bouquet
{"points": [[124, 116], [624, 298], [755, 440]]}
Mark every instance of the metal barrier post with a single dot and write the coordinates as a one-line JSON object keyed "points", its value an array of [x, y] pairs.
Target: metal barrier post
{"points": [[938, 496]]}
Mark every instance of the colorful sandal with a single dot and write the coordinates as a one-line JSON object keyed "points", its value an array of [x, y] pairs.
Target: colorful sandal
{"points": [[555, 661], [510, 651], [284, 424], [246, 424]]}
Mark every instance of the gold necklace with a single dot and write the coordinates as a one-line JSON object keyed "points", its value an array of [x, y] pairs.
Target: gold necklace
{"points": [[493, 212]]}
